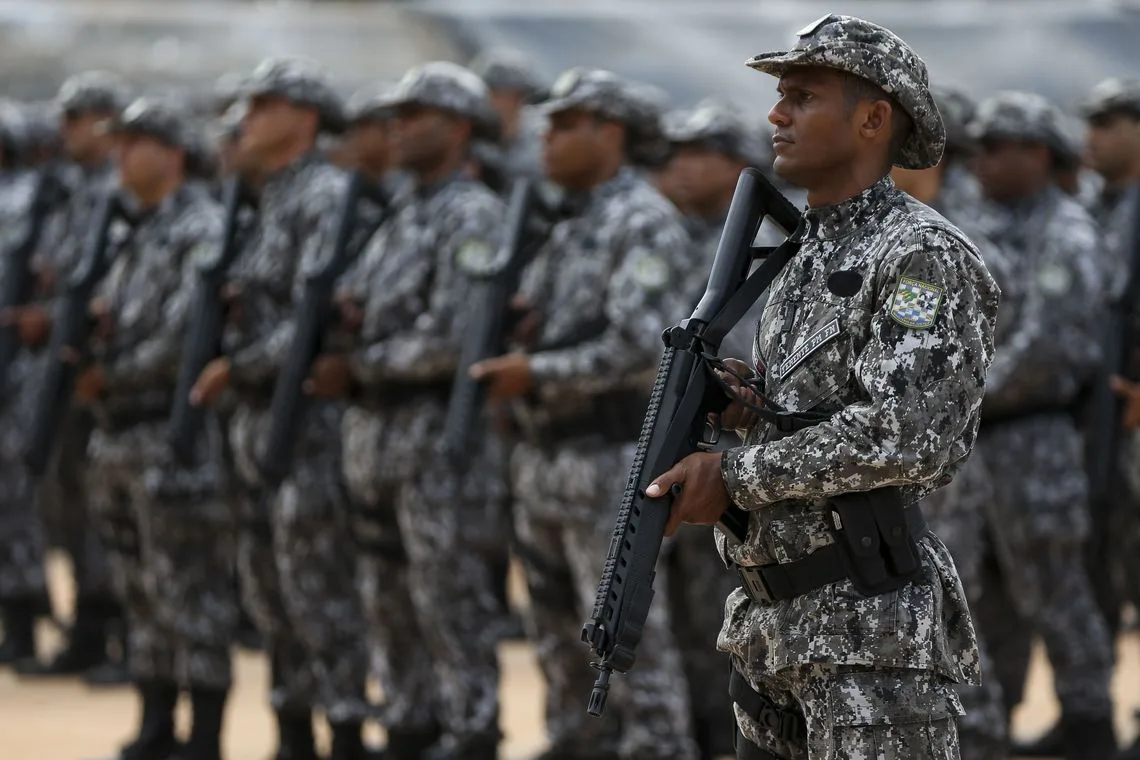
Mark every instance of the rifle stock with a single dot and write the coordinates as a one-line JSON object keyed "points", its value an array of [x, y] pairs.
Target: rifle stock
{"points": [[683, 395], [314, 314], [202, 342], [70, 331]]}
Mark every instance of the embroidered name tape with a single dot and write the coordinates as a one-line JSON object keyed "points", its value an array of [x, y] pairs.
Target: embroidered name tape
{"points": [[808, 347]]}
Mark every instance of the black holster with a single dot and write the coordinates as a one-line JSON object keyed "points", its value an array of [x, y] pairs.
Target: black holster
{"points": [[876, 543]]}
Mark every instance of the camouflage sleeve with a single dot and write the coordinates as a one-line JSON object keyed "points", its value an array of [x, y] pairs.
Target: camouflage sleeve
{"points": [[259, 361], [1052, 346], [641, 301], [920, 389], [429, 350], [155, 360]]}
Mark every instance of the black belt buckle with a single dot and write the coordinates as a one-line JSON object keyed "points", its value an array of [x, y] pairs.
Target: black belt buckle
{"points": [[755, 585]]}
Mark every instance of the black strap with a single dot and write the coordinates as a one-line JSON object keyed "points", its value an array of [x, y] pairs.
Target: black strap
{"points": [[773, 583], [752, 288], [786, 723]]}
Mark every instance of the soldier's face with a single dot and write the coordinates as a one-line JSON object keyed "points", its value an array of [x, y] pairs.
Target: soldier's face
{"points": [[705, 178], [270, 124], [83, 133], [370, 143], [1112, 146], [1009, 170], [143, 162], [422, 136], [816, 128], [575, 141]]}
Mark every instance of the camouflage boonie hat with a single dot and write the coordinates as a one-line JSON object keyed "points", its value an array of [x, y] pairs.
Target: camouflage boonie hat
{"points": [[93, 91], [449, 87], [1023, 116], [371, 103], [878, 55], [161, 120], [957, 109], [1112, 95], [509, 71], [720, 127], [299, 82]]}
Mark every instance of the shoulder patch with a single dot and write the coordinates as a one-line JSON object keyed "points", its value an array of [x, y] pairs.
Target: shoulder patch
{"points": [[476, 256], [651, 273], [916, 303]]}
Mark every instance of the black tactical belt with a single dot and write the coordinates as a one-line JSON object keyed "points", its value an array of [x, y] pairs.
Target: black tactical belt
{"points": [[394, 395], [786, 723], [616, 417], [766, 584]]}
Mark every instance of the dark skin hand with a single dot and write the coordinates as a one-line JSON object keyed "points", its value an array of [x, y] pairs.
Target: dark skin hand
{"points": [[211, 382], [100, 311], [330, 377], [525, 331], [33, 323], [702, 498], [351, 314], [1130, 392], [231, 298], [45, 281], [89, 384], [506, 376]]}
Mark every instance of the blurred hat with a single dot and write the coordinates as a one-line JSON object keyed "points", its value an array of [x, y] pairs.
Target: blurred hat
{"points": [[1023, 116], [1115, 94], [957, 109], [869, 51], [299, 82], [721, 127], [97, 91], [511, 71], [371, 103], [449, 87], [171, 124]]}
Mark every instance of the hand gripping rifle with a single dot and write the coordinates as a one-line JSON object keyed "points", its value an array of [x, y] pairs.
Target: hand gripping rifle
{"points": [[202, 342], [685, 393], [529, 220], [70, 332], [314, 316]]}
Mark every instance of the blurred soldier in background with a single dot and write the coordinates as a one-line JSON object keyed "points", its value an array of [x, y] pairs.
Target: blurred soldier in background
{"points": [[598, 297], [368, 138], [87, 102], [515, 86], [295, 572], [1038, 516], [410, 286], [163, 524]]}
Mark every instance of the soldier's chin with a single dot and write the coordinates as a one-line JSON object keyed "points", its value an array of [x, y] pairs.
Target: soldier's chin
{"points": [[785, 169]]}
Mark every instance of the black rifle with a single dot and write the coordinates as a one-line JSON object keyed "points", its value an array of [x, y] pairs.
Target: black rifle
{"points": [[19, 279], [203, 339], [314, 317], [685, 393], [70, 331], [529, 220]]}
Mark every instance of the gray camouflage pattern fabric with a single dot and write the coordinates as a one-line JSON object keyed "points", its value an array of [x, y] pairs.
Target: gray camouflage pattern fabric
{"points": [[162, 120], [878, 55], [411, 280], [509, 70], [300, 82], [1039, 516], [957, 109], [892, 371], [449, 87], [296, 574], [93, 91], [1114, 94], [720, 126], [181, 632], [1026, 116], [604, 284]]}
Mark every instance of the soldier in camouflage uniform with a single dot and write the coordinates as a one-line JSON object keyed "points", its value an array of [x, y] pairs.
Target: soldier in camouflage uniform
{"points": [[295, 573], [1052, 304], [957, 512], [599, 294], [897, 368], [87, 102], [161, 523], [23, 586], [515, 90], [410, 285]]}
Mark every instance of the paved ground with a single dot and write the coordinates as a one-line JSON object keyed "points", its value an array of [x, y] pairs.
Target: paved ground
{"points": [[67, 721]]}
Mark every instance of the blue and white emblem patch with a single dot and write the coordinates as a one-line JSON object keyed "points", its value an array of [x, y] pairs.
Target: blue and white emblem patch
{"points": [[915, 303]]}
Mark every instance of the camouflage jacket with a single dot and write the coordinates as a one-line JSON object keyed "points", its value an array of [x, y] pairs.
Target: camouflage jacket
{"points": [[65, 232], [294, 231], [604, 283], [900, 365], [1052, 306], [411, 280], [147, 291], [1116, 216]]}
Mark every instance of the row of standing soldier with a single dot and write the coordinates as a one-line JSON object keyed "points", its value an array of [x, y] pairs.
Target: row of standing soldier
{"points": [[604, 278]]}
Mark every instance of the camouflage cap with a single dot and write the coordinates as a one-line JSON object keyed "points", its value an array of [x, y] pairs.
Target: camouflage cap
{"points": [[511, 71], [878, 55], [300, 82], [97, 91], [371, 103], [164, 121], [1112, 95], [227, 89], [957, 109], [1022, 116], [449, 87], [13, 129], [721, 127]]}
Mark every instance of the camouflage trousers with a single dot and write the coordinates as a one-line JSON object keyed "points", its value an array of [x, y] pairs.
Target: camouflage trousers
{"points": [[564, 510], [956, 513], [298, 570], [858, 713], [169, 552], [22, 573], [1038, 523], [439, 516], [700, 584]]}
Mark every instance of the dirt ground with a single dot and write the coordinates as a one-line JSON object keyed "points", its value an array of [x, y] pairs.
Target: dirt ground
{"points": [[65, 720]]}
